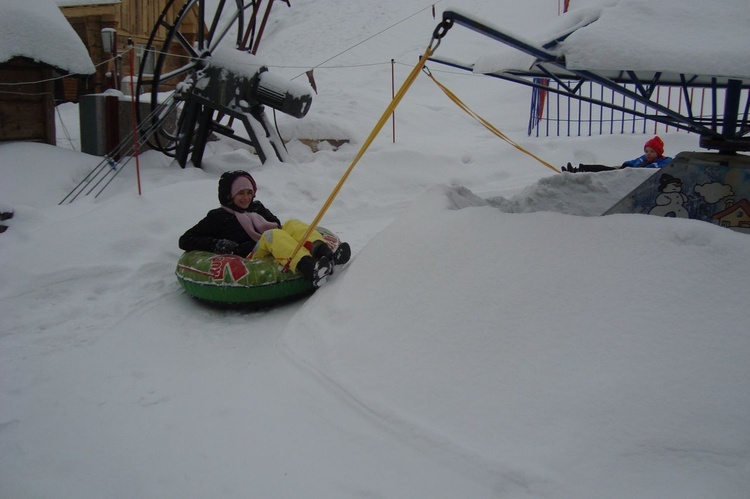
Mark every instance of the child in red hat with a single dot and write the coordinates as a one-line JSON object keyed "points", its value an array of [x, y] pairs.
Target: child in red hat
{"points": [[653, 158]]}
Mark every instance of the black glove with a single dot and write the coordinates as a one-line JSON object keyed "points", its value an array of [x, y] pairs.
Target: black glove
{"points": [[245, 249], [225, 246]]}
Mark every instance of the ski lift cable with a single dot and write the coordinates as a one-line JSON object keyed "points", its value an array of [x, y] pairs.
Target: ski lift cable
{"points": [[97, 170], [123, 149], [432, 5], [143, 138], [67, 75]]}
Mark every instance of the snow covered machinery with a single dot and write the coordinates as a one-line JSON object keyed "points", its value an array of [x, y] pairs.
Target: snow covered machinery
{"points": [[226, 92], [199, 81]]}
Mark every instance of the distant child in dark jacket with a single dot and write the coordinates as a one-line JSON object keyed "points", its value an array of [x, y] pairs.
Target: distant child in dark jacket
{"points": [[243, 226], [653, 158]]}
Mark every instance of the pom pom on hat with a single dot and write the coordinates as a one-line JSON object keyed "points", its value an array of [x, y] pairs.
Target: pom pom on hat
{"points": [[656, 144]]}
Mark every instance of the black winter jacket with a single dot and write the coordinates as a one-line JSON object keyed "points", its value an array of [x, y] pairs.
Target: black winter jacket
{"points": [[221, 224]]}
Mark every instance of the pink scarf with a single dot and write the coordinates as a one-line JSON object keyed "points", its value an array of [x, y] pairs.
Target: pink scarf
{"points": [[253, 223]]}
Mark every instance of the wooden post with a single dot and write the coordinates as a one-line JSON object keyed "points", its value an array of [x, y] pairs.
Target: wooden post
{"points": [[133, 116]]}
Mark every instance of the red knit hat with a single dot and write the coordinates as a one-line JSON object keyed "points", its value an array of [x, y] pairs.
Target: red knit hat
{"points": [[656, 144]]}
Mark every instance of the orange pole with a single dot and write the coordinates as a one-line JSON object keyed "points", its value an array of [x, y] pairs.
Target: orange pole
{"points": [[393, 95]]}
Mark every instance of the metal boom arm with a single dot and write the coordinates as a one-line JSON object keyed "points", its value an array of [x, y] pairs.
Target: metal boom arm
{"points": [[731, 138]]}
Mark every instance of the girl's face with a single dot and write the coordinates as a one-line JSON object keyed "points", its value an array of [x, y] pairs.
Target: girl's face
{"points": [[243, 198], [650, 154]]}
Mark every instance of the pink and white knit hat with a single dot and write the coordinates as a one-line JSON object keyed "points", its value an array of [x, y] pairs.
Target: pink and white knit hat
{"points": [[240, 183]]}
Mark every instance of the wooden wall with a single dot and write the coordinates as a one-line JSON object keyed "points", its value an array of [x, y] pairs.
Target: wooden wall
{"points": [[27, 111], [137, 19], [133, 19]]}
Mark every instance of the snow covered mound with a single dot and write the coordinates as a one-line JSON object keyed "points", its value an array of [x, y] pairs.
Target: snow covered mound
{"points": [[492, 336], [575, 194], [579, 355]]}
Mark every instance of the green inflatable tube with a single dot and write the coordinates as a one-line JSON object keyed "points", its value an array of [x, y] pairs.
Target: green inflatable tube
{"points": [[233, 280]]}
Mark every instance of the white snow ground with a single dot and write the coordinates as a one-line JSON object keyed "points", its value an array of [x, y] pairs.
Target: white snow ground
{"points": [[491, 337]]}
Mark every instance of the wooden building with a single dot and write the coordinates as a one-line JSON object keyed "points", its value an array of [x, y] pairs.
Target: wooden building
{"points": [[27, 112], [31, 63], [132, 20]]}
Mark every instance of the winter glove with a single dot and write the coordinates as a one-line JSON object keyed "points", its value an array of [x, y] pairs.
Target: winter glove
{"points": [[245, 249], [225, 246]]}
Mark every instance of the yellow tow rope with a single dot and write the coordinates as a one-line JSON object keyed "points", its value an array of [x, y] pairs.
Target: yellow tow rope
{"points": [[486, 123], [439, 33], [383, 119]]}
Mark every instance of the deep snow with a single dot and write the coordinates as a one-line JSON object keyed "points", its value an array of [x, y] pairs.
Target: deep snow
{"points": [[491, 337]]}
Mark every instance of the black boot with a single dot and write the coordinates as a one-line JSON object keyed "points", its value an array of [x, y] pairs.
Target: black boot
{"points": [[306, 267], [316, 272], [342, 254], [321, 249], [569, 168], [323, 269]]}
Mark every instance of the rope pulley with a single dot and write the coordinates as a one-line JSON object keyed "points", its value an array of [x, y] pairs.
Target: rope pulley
{"points": [[440, 31]]}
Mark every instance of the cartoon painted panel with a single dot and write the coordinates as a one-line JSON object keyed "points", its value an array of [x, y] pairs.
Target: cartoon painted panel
{"points": [[713, 188]]}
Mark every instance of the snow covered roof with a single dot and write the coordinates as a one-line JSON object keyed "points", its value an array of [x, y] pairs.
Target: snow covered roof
{"points": [[38, 30], [672, 36]]}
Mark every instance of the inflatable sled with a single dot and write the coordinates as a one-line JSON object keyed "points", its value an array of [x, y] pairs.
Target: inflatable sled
{"points": [[234, 280]]}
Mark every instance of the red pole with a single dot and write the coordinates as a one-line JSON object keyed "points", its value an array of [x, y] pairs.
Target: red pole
{"points": [[133, 117], [262, 26], [393, 96], [669, 105]]}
